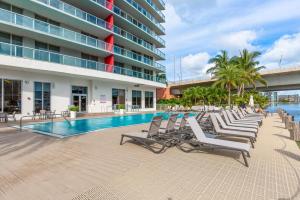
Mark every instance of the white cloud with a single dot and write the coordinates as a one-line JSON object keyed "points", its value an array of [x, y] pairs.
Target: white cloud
{"points": [[173, 19], [195, 65], [286, 49], [235, 41]]}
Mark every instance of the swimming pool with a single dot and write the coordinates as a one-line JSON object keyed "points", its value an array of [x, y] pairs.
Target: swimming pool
{"points": [[81, 126]]}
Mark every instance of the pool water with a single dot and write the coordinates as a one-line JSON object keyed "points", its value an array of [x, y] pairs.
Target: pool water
{"points": [[76, 127], [291, 108]]}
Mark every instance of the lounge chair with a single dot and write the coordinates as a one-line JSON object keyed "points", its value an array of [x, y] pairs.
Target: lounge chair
{"points": [[233, 120], [228, 127], [242, 117], [202, 142], [148, 138], [231, 133], [170, 127], [236, 124], [247, 120]]}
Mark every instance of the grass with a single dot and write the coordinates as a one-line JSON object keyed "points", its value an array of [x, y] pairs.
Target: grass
{"points": [[298, 143]]}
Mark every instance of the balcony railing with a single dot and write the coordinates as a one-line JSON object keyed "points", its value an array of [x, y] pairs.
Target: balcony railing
{"points": [[155, 8], [56, 31], [126, 34], [137, 40], [144, 12], [71, 10], [53, 57], [51, 30], [136, 23], [138, 57]]}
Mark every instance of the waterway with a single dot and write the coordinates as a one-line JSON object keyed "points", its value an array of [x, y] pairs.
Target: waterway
{"points": [[291, 108]]}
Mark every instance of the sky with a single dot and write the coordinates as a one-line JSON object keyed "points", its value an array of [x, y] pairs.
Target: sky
{"points": [[196, 30]]}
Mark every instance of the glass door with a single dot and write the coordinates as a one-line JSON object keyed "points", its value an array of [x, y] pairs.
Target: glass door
{"points": [[80, 101], [83, 102]]}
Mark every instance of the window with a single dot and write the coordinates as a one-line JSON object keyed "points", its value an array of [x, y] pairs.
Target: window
{"points": [[79, 90], [44, 19], [42, 96], [148, 99], [47, 52], [119, 69], [89, 61], [11, 8], [11, 39], [137, 98], [148, 74], [118, 97], [11, 95], [137, 71]]}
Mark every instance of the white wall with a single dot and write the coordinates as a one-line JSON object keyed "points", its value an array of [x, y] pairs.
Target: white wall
{"points": [[61, 91]]}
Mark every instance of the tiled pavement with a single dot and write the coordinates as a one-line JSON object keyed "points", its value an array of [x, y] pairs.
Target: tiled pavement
{"points": [[95, 166]]}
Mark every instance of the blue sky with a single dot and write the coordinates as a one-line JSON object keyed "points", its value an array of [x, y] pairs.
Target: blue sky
{"points": [[197, 30]]}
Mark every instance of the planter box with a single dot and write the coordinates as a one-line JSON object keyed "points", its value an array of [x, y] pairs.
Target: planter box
{"points": [[73, 114]]}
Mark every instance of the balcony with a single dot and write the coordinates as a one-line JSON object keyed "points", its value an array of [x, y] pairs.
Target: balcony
{"points": [[146, 14], [52, 57], [138, 57], [71, 10], [136, 40], [137, 24], [156, 9], [82, 15], [51, 30]]}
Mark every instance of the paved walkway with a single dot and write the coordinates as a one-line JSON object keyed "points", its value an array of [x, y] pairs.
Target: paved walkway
{"points": [[95, 166]]}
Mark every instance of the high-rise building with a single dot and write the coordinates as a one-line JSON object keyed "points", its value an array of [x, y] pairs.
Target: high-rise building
{"points": [[95, 54]]}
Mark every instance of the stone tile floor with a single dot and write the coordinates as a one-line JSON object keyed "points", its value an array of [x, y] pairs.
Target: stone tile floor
{"points": [[95, 166]]}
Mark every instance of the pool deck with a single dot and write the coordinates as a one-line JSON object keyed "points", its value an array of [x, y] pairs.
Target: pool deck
{"points": [[95, 166]]}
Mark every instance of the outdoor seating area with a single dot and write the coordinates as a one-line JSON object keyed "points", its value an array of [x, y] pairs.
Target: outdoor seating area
{"points": [[218, 130], [95, 166]]}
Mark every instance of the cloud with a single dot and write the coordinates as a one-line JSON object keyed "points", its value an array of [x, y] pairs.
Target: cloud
{"points": [[195, 65], [285, 50], [235, 41], [173, 19]]}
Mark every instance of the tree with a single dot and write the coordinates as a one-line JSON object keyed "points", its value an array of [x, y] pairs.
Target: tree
{"points": [[249, 69], [227, 77], [221, 60]]}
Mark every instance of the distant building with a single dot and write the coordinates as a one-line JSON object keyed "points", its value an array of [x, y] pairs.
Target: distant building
{"points": [[272, 96], [289, 98]]}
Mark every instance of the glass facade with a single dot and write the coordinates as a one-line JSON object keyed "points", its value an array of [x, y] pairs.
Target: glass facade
{"points": [[118, 97], [137, 98], [42, 96], [11, 94], [148, 99]]}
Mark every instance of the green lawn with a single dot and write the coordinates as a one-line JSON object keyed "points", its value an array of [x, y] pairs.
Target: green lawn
{"points": [[298, 143]]}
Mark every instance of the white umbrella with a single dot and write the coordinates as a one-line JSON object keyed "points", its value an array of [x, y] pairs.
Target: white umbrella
{"points": [[251, 101]]}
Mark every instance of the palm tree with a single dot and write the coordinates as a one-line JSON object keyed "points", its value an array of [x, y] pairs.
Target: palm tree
{"points": [[221, 60], [250, 68], [227, 77]]}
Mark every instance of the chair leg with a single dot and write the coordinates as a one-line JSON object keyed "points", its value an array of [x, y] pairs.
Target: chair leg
{"points": [[121, 142], [245, 159], [252, 142]]}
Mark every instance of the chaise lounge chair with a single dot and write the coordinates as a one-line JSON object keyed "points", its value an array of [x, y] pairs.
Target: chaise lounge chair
{"points": [[231, 133], [233, 120], [228, 127], [237, 124], [148, 138], [202, 142]]}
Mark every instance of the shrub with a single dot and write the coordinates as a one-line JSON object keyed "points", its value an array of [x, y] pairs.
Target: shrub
{"points": [[74, 108], [120, 106]]}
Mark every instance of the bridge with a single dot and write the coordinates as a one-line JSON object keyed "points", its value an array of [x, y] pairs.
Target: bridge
{"points": [[279, 79]]}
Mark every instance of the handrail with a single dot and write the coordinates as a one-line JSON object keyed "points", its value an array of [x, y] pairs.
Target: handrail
{"points": [[32, 116]]}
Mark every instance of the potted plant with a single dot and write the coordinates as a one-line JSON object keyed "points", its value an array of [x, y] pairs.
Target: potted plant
{"points": [[121, 108], [73, 110]]}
